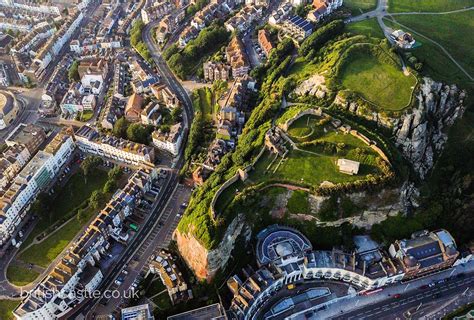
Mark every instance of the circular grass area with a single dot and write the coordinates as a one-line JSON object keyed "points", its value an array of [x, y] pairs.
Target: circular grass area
{"points": [[381, 84]]}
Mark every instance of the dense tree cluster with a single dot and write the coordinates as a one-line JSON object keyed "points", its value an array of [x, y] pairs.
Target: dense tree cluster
{"points": [[197, 219], [135, 132], [184, 62], [316, 40], [73, 73], [193, 8], [137, 42]]}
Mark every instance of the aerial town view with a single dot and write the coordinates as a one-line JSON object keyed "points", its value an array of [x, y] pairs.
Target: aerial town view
{"points": [[236, 159]]}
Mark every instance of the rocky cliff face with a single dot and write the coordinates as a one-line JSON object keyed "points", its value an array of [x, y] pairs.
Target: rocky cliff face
{"points": [[205, 263], [422, 132]]}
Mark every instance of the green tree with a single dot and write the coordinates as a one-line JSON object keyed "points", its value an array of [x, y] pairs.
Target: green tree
{"points": [[73, 72], [302, 10], [110, 186], [120, 128], [42, 205], [89, 164], [115, 173], [97, 199], [138, 133], [176, 114], [82, 216]]}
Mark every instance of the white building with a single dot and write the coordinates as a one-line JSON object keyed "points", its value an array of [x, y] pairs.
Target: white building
{"points": [[169, 141], [89, 102], [89, 141], [348, 166], [78, 271], [35, 176]]}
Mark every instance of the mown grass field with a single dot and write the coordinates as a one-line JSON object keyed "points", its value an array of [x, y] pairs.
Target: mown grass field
{"points": [[6, 308], [427, 5], [204, 104], [369, 27], [42, 254], [382, 84], [455, 32], [360, 6], [76, 191], [314, 168], [21, 276]]}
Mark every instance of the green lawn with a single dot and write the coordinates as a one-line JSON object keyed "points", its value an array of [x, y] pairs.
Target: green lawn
{"points": [[368, 28], [302, 69], [308, 168], [427, 5], [301, 167], [435, 63], [204, 103], [360, 6], [21, 276], [227, 195], [453, 31], [155, 287], [306, 128], [44, 253], [76, 191], [6, 309], [382, 84], [87, 115]]}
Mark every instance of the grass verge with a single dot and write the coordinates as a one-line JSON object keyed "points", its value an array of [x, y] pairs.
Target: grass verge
{"points": [[21, 276]]}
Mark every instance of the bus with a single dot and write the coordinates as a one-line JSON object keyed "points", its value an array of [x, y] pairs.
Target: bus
{"points": [[134, 227]]}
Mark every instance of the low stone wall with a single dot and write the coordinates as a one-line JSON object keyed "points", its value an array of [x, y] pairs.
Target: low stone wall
{"points": [[240, 174], [374, 147]]}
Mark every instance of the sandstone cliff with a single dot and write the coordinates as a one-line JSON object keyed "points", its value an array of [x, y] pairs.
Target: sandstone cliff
{"points": [[205, 263]]}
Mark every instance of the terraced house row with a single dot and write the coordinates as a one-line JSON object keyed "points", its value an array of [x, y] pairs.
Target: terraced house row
{"points": [[35, 177], [80, 271]]}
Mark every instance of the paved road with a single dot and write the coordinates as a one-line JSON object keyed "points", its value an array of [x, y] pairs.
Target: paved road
{"points": [[159, 237], [167, 190], [396, 308], [168, 76], [132, 248], [29, 100], [411, 295]]}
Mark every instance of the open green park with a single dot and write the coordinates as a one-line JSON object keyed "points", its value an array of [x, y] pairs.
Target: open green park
{"points": [[313, 164], [60, 225], [381, 84], [427, 5], [369, 28], [360, 6], [20, 276], [451, 31], [6, 309]]}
